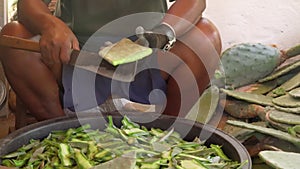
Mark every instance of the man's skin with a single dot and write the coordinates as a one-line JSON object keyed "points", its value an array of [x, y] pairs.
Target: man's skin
{"points": [[36, 81]]}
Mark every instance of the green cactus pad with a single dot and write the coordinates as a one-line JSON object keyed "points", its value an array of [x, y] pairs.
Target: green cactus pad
{"points": [[246, 63], [286, 101], [250, 97], [284, 117]]}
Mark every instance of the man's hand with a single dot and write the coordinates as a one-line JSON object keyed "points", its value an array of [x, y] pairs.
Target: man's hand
{"points": [[159, 37], [56, 42]]}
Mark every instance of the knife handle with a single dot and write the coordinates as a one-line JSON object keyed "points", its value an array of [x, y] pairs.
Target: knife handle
{"points": [[19, 43]]}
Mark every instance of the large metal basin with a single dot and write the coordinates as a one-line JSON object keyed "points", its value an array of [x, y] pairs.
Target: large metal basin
{"points": [[187, 128]]}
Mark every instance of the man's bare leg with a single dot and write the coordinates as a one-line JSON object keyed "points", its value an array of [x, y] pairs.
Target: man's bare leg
{"points": [[33, 81], [196, 56]]}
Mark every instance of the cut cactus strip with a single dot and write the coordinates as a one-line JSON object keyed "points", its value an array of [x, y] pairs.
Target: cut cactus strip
{"points": [[295, 110], [250, 97], [296, 128], [294, 51], [280, 159], [206, 106], [288, 62], [269, 131], [286, 101], [283, 117], [290, 84], [277, 125], [295, 92], [258, 88], [242, 109], [280, 72], [280, 80]]}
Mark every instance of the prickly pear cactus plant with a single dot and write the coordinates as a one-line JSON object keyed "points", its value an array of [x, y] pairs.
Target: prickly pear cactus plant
{"points": [[246, 63]]}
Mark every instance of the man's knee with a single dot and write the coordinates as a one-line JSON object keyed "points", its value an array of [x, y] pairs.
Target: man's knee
{"points": [[211, 32], [16, 29]]}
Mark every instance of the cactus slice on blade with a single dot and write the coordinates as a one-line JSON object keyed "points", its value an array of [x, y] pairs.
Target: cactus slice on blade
{"points": [[250, 97], [286, 101], [283, 117], [295, 92]]}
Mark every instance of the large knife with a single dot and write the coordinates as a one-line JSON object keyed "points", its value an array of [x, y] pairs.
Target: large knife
{"points": [[86, 60]]}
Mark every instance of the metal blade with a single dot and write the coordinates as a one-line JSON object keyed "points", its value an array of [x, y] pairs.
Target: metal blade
{"points": [[93, 62], [90, 61]]}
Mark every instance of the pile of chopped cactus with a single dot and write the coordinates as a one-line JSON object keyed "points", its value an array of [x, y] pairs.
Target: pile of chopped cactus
{"points": [[130, 146], [262, 82]]}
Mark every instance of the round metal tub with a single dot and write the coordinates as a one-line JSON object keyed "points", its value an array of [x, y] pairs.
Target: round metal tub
{"points": [[187, 128]]}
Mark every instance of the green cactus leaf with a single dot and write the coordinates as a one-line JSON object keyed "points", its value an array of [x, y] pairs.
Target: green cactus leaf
{"points": [[286, 101], [246, 63], [295, 92], [296, 128], [293, 51], [269, 131], [259, 88], [295, 110], [284, 117], [277, 125], [279, 91], [288, 85], [206, 106], [281, 72], [280, 159], [250, 97]]}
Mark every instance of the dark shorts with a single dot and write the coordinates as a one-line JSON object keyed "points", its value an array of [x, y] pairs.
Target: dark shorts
{"points": [[83, 89]]}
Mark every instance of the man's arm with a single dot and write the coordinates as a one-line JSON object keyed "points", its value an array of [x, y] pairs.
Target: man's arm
{"points": [[184, 13], [56, 38], [35, 15]]}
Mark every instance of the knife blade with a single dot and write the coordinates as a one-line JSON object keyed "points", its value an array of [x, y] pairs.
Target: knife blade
{"points": [[90, 61]]}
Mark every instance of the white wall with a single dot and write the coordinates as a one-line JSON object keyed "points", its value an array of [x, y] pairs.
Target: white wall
{"points": [[266, 21]]}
